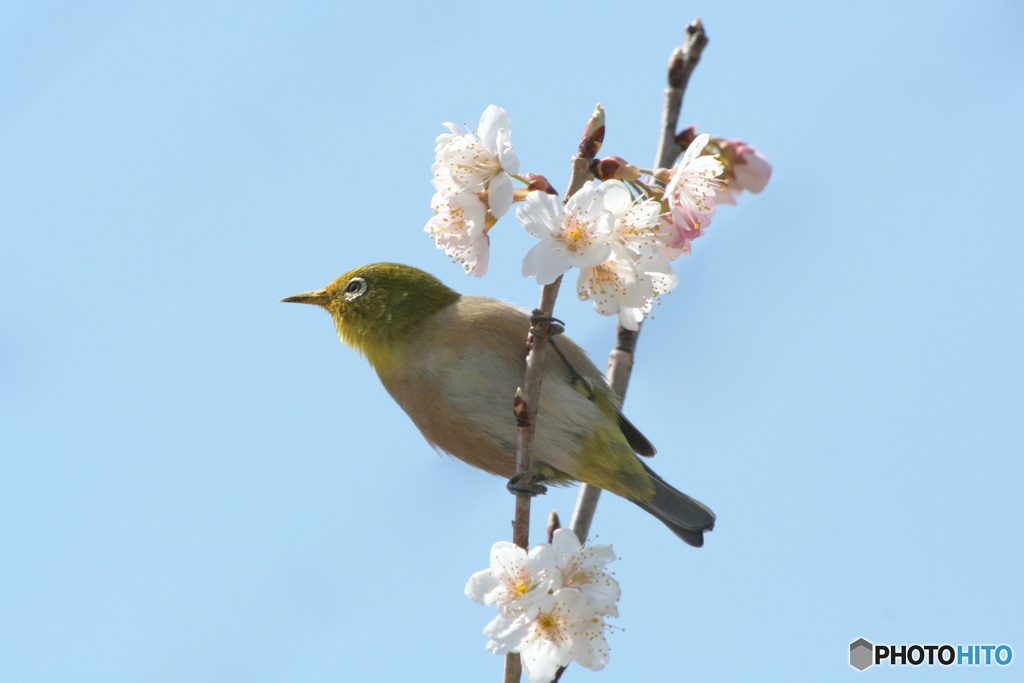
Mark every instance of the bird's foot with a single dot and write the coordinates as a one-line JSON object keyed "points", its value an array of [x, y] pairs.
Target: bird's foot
{"points": [[527, 484], [542, 325], [553, 325]]}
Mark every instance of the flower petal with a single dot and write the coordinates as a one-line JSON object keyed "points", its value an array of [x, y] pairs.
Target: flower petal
{"points": [[540, 661], [546, 261], [506, 154], [585, 258], [540, 214], [505, 554], [480, 584], [564, 543], [754, 174], [499, 194], [630, 318], [506, 635], [491, 121], [616, 196], [695, 148]]}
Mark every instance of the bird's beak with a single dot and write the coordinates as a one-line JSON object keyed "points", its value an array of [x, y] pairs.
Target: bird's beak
{"points": [[319, 297]]}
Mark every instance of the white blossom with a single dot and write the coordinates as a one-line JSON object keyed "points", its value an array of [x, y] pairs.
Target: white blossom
{"points": [[583, 567], [576, 236], [557, 629], [634, 223], [479, 164], [614, 288], [516, 579], [620, 286], [695, 179], [459, 227]]}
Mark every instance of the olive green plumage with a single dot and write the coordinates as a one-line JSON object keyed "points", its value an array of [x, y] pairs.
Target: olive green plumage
{"points": [[453, 363]]}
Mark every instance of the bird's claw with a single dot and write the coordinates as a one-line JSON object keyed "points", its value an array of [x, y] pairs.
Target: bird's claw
{"points": [[539, 317], [527, 484]]}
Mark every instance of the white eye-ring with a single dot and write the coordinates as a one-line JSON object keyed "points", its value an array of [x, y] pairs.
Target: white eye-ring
{"points": [[355, 287]]}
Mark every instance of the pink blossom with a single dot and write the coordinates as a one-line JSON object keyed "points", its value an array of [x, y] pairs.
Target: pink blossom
{"points": [[745, 169], [459, 227], [690, 198]]}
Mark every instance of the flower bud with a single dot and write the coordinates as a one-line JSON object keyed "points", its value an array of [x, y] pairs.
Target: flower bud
{"points": [[519, 408], [675, 68], [615, 168], [553, 526], [593, 134], [745, 167], [539, 183], [685, 57], [663, 174], [686, 136]]}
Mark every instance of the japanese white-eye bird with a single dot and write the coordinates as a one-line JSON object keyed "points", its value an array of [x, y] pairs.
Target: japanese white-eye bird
{"points": [[454, 362]]}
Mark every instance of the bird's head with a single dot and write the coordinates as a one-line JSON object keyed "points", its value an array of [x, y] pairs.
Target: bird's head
{"points": [[377, 306]]}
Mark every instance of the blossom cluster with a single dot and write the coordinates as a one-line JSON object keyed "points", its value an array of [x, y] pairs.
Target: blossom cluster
{"points": [[551, 603], [621, 234], [745, 168], [473, 183]]}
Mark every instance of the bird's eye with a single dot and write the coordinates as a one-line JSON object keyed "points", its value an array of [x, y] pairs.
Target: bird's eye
{"points": [[354, 288]]}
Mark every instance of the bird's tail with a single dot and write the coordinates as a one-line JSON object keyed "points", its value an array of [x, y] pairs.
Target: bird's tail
{"points": [[687, 518]]}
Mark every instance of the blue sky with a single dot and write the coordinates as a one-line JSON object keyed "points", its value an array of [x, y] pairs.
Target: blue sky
{"points": [[199, 483]]}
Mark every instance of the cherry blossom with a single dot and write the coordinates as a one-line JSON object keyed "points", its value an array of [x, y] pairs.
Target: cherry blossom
{"points": [[615, 288], [577, 236], [620, 286], [459, 227], [635, 223], [582, 567], [516, 579], [745, 169], [556, 630], [479, 164], [690, 195]]}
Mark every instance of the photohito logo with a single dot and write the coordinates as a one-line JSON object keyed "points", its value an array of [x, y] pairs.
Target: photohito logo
{"points": [[863, 654]]}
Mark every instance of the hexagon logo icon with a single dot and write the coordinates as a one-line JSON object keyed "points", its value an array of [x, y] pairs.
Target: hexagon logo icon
{"points": [[862, 654]]}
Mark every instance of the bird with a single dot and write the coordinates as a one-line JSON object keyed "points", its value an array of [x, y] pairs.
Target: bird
{"points": [[453, 363]]}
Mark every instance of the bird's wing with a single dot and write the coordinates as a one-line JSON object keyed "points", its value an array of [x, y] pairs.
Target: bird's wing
{"points": [[495, 323], [637, 441], [604, 398]]}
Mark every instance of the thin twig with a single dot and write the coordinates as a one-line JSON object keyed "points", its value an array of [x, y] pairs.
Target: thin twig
{"points": [[620, 367], [620, 362], [684, 60], [524, 444], [582, 171]]}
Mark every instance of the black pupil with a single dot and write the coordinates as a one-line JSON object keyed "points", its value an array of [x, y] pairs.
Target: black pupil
{"points": [[353, 286]]}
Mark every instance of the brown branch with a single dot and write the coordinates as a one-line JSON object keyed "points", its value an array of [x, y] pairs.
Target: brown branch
{"points": [[620, 367], [620, 362], [684, 60], [582, 171]]}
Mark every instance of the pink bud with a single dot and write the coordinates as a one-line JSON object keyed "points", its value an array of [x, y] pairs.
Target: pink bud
{"points": [[686, 136], [593, 134], [615, 168], [539, 183], [663, 174], [745, 168], [752, 169]]}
